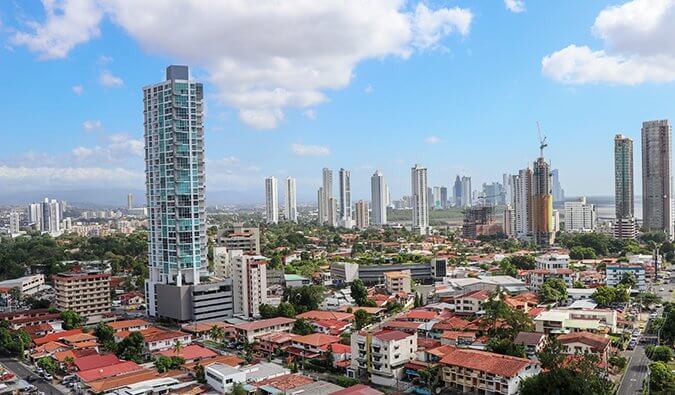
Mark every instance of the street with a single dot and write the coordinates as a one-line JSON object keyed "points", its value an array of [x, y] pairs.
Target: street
{"points": [[23, 372]]}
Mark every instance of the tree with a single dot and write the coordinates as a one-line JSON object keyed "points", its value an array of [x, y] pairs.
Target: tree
{"points": [[267, 311], [580, 252], [431, 378], [13, 344], [305, 298], [659, 353], [506, 346], [238, 389], [649, 298], [200, 374], [164, 363], [131, 347], [71, 319], [604, 296], [361, 319], [552, 355], [522, 262], [217, 333], [178, 347], [302, 327], [286, 310], [553, 290], [507, 268], [359, 292], [628, 280], [661, 378], [104, 332], [48, 364], [581, 376]]}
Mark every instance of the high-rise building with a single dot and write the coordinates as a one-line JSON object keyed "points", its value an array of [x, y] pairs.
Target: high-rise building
{"points": [[420, 207], [35, 215], [272, 200], [625, 224], [362, 220], [466, 192], [130, 201], [542, 203], [557, 191], [345, 198], [249, 274], [14, 227], [327, 193], [444, 197], [291, 206], [522, 204], [579, 216], [437, 201], [321, 212], [378, 204], [430, 197], [492, 193], [508, 189], [657, 176], [50, 216], [87, 294], [509, 221], [457, 192], [174, 168], [332, 219]]}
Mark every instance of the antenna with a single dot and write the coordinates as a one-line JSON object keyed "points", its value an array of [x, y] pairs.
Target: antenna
{"points": [[542, 141]]}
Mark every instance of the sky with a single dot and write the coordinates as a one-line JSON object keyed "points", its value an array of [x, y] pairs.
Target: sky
{"points": [[298, 85]]}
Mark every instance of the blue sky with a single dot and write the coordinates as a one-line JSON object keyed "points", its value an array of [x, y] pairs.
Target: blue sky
{"points": [[457, 86]]}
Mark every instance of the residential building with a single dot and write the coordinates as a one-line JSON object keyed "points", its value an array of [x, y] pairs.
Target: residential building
{"points": [[625, 226], [471, 302], [586, 343], [47, 215], [579, 294], [321, 209], [556, 189], [221, 262], [249, 274], [241, 238], [552, 261], [35, 215], [332, 214], [28, 285], [222, 377], [378, 202], [291, 206], [580, 216], [533, 342], [614, 274], [657, 204], [345, 214], [566, 320], [87, 294], [362, 220], [344, 272], [467, 370], [537, 277], [271, 200], [14, 223], [509, 221], [522, 204], [326, 195], [382, 355], [436, 201], [542, 204], [313, 345], [457, 192], [444, 197], [397, 281], [466, 192], [130, 201], [174, 163], [251, 330], [295, 281], [420, 211]]}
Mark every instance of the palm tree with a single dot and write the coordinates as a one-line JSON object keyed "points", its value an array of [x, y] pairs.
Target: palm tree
{"points": [[217, 333], [177, 347]]}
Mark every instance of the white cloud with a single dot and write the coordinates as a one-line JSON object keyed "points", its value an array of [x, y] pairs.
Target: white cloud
{"points": [[78, 89], [309, 150], [516, 6], [638, 47], [261, 118], [109, 80], [310, 113], [91, 126], [369, 89], [118, 148], [433, 140], [67, 23], [430, 26], [84, 152], [22, 178], [104, 59]]}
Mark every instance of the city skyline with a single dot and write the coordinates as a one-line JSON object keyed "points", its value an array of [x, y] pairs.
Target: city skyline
{"points": [[79, 137]]}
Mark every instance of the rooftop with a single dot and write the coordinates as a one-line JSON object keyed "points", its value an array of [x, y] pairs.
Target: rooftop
{"points": [[391, 335], [260, 324], [497, 364]]}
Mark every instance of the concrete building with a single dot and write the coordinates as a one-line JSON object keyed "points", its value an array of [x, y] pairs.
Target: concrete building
{"points": [[28, 285], [420, 211], [221, 262], [290, 197], [249, 274], [332, 214], [249, 331], [466, 192], [439, 267], [625, 226], [398, 281], [130, 201], [374, 274], [552, 261], [47, 216], [344, 272], [457, 192], [14, 227], [444, 197], [35, 215], [345, 204], [222, 377], [509, 221], [522, 204], [657, 204], [436, 201], [241, 238], [580, 216], [615, 273], [542, 204], [382, 355], [326, 193], [362, 220], [378, 202], [556, 189], [565, 320], [175, 180], [87, 294], [271, 200]]}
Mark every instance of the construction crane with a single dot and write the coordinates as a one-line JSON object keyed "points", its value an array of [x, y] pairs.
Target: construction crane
{"points": [[542, 141]]}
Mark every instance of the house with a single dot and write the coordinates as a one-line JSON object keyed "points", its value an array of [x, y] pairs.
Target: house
{"points": [[108, 371], [316, 315], [470, 303], [129, 325], [312, 346], [202, 330], [95, 361], [382, 355], [272, 342], [191, 353], [20, 319], [533, 342], [358, 389], [332, 327], [565, 320], [131, 298], [586, 343], [251, 330], [157, 339], [537, 277], [222, 377], [341, 355], [467, 370], [458, 338]]}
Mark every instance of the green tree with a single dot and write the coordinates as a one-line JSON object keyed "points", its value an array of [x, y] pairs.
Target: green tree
{"points": [[552, 355], [164, 363], [217, 333], [507, 268], [71, 319], [581, 376], [238, 389], [660, 353], [131, 347], [522, 262], [506, 346], [48, 364], [361, 319], [104, 332], [661, 378], [305, 298], [200, 374], [302, 327], [604, 296], [553, 290], [359, 292], [628, 280], [267, 311], [286, 310]]}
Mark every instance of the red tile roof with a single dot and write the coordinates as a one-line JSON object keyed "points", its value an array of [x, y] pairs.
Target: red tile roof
{"points": [[338, 348], [317, 339], [55, 336], [497, 364], [421, 314], [286, 382], [391, 335], [109, 371], [358, 389], [477, 294], [454, 335], [191, 352], [529, 338], [326, 315], [595, 341], [96, 361], [259, 324], [121, 325]]}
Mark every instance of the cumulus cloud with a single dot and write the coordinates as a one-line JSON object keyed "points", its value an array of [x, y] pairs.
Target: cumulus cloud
{"points": [[91, 126], [638, 47], [369, 89], [109, 80], [231, 172], [22, 178], [433, 140], [309, 150], [310, 113], [67, 23], [117, 148], [516, 6], [78, 89], [298, 50]]}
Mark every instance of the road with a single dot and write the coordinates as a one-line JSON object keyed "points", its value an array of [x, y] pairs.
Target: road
{"points": [[23, 372]]}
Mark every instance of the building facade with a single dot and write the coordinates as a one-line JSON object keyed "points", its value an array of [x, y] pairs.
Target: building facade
{"points": [[542, 204], [657, 176], [290, 196], [420, 209], [249, 275], [362, 220], [87, 294], [378, 202], [580, 216], [272, 200], [345, 198], [625, 226]]}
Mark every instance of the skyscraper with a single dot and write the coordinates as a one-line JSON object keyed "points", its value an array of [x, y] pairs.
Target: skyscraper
{"points": [[14, 227], [174, 168], [50, 216], [466, 192], [345, 198], [457, 192], [362, 214], [35, 215], [327, 178], [444, 197], [542, 203], [291, 206], [557, 191], [436, 193], [272, 200], [656, 176], [130, 201], [624, 226], [321, 206], [378, 204], [522, 204], [420, 207]]}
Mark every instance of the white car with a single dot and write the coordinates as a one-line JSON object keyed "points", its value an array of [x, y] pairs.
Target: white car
{"points": [[48, 377]]}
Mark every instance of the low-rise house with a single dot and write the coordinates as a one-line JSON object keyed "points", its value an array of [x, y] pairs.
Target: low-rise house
{"points": [[20, 319], [108, 371], [274, 342], [358, 389], [332, 327], [202, 330], [577, 294], [470, 303], [157, 339], [537, 277], [316, 315], [564, 320], [382, 355], [533, 342], [129, 325], [251, 330], [468, 370], [191, 353], [458, 338], [222, 377], [312, 346], [131, 298], [586, 343]]}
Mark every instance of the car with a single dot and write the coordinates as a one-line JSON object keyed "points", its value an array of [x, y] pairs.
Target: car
{"points": [[662, 289], [631, 345], [48, 377], [30, 379]]}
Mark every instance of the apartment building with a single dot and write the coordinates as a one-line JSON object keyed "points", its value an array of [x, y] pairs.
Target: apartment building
{"points": [[27, 284], [537, 277], [251, 330], [249, 275], [552, 261], [87, 294], [242, 238], [382, 355], [470, 303], [564, 320], [476, 371], [586, 343], [615, 273], [397, 281]]}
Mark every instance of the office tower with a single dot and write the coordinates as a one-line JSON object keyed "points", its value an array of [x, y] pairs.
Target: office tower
{"points": [[362, 220], [378, 204], [291, 201], [430, 196], [522, 203], [327, 178], [35, 215], [557, 191], [509, 221], [345, 198], [466, 192], [492, 193], [249, 275], [321, 206], [87, 294], [542, 204], [420, 207], [625, 226], [174, 168], [457, 192], [444, 197], [437, 201], [507, 198], [130, 201], [14, 223], [656, 176], [332, 214], [272, 200], [579, 216]]}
